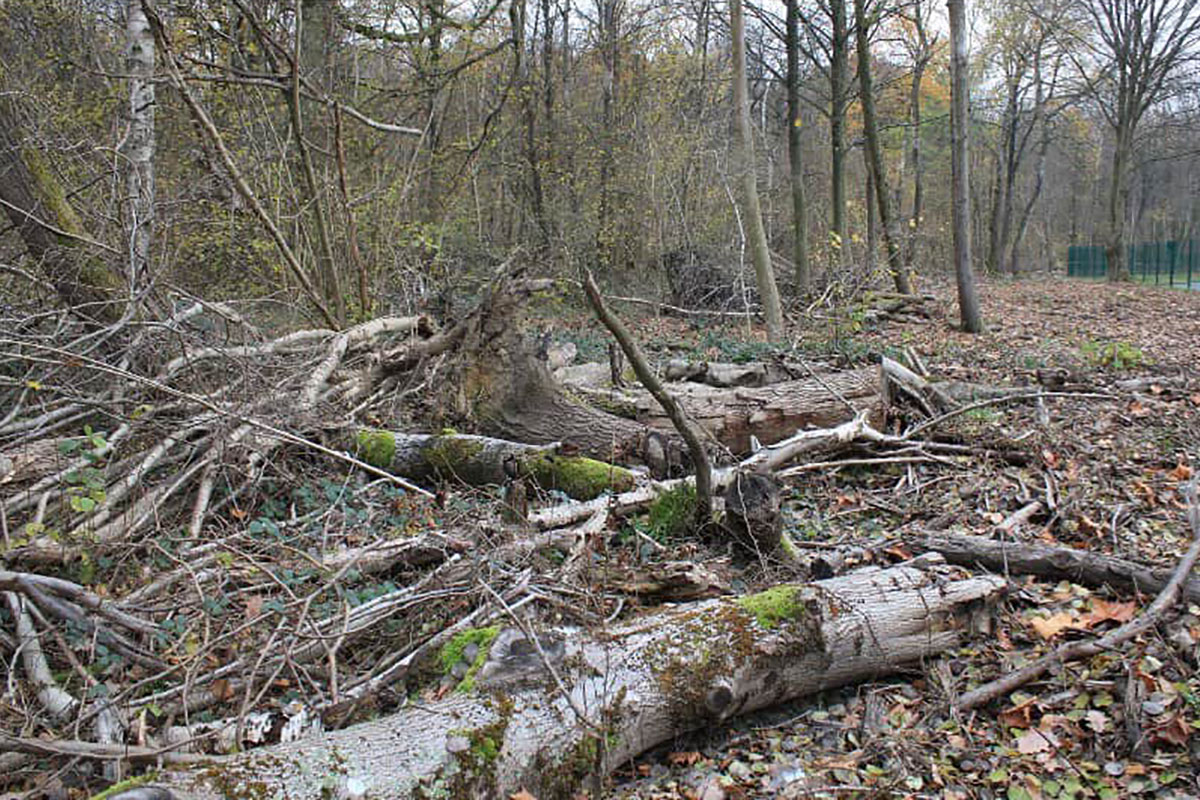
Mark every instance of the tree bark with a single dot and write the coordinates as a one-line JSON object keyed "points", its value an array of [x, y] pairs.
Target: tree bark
{"points": [[803, 276], [54, 236], [760, 250], [553, 711], [775, 412], [1057, 563], [874, 150], [309, 56], [139, 144], [968, 297], [839, 85]]}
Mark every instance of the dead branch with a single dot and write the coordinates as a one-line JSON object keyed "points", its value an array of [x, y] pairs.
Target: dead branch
{"points": [[1114, 639]]}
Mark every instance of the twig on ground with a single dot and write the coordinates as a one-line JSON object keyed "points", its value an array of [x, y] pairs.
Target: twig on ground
{"points": [[1077, 650]]}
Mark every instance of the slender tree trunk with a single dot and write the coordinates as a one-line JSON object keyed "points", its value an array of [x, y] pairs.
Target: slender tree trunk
{"points": [[872, 204], [1006, 175], [1118, 202], [887, 217], [757, 234], [529, 105], [915, 166], [968, 298], [610, 11], [1043, 128], [795, 159], [839, 85], [309, 53], [139, 144]]}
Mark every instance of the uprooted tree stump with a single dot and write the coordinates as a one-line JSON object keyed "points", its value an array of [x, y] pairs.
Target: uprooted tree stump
{"points": [[553, 710]]}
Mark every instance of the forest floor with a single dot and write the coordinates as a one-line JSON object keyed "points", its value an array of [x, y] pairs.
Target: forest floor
{"points": [[1111, 471]]}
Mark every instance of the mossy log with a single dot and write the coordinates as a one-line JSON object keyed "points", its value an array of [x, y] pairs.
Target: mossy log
{"points": [[613, 696], [480, 460]]}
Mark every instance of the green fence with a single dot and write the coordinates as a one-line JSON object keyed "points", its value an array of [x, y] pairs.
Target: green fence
{"points": [[1171, 263]]}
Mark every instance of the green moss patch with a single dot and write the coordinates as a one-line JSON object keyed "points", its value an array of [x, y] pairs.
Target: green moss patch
{"points": [[451, 454], [452, 653], [376, 447], [773, 606], [581, 478], [673, 513]]}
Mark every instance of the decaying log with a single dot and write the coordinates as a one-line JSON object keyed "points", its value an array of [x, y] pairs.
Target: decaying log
{"points": [[481, 460], [1058, 563], [773, 413], [551, 711]]}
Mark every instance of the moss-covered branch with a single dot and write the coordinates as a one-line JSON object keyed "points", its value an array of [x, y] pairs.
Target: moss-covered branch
{"points": [[479, 460]]}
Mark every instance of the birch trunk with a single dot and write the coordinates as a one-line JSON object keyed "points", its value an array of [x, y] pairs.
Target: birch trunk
{"points": [[139, 143]]}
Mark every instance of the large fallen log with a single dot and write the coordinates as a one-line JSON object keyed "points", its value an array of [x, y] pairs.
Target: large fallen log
{"points": [[773, 413], [552, 712], [734, 402]]}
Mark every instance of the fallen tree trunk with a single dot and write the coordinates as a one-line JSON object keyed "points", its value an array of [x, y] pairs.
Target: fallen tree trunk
{"points": [[732, 414], [1059, 563], [552, 712], [773, 413], [480, 460]]}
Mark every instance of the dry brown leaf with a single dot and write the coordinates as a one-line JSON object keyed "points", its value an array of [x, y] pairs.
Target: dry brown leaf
{"points": [[1051, 626], [1174, 731], [521, 795], [1106, 611], [1051, 458], [1087, 526], [1181, 473], [1020, 715], [685, 758], [1035, 741], [222, 689]]}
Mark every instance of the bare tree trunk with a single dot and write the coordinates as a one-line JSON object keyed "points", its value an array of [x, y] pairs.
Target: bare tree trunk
{"points": [[610, 20], [309, 53], [1043, 127], [759, 248], [887, 217], [795, 157], [915, 165], [139, 144], [968, 298], [839, 86], [1118, 203]]}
